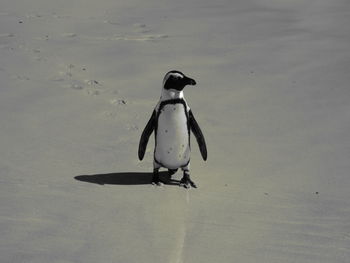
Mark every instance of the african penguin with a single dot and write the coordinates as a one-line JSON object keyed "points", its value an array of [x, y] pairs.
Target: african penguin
{"points": [[172, 120]]}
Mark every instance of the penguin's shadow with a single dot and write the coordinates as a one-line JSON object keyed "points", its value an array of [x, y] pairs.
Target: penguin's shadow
{"points": [[126, 178]]}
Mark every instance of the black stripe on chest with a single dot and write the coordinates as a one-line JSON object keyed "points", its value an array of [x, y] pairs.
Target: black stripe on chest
{"points": [[173, 101]]}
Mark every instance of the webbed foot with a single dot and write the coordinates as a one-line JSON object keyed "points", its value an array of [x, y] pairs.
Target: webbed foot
{"points": [[156, 179], [157, 182], [186, 182]]}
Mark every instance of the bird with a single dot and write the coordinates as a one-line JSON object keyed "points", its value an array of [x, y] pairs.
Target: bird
{"points": [[172, 121]]}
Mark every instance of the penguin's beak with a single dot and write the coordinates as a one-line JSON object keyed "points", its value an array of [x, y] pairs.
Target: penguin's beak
{"points": [[190, 81]]}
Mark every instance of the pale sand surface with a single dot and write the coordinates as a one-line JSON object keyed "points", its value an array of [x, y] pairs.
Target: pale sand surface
{"points": [[78, 82]]}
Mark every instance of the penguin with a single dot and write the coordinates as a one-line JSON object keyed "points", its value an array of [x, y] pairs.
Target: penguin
{"points": [[172, 121]]}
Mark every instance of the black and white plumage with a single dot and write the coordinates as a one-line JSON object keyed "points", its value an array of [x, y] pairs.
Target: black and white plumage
{"points": [[171, 121]]}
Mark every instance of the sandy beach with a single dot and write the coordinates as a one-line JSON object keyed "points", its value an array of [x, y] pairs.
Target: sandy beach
{"points": [[78, 83]]}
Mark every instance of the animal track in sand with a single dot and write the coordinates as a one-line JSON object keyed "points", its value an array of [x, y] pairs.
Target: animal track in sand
{"points": [[45, 37], [93, 92], [33, 16], [94, 87], [75, 85], [20, 77], [118, 102], [79, 85], [92, 82], [57, 78], [111, 22], [6, 47], [7, 35], [69, 35], [128, 32], [142, 28], [128, 37], [55, 15], [71, 79], [142, 37], [140, 25]]}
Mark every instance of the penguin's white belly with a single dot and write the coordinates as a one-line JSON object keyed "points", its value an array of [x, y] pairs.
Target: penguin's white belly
{"points": [[172, 139]]}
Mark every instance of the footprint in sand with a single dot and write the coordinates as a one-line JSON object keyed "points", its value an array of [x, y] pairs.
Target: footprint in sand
{"points": [[137, 32], [20, 77], [55, 15], [91, 86], [142, 28], [142, 37], [94, 87], [57, 78], [93, 92], [140, 25], [92, 82], [69, 35], [6, 47], [34, 16], [79, 85], [38, 56], [111, 22], [75, 85], [7, 35], [120, 102]]}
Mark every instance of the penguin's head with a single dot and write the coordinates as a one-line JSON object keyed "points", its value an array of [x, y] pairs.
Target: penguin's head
{"points": [[176, 80]]}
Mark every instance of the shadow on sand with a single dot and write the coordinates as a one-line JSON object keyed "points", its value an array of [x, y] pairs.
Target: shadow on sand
{"points": [[125, 178]]}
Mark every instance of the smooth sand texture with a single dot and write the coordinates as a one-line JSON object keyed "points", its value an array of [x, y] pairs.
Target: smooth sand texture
{"points": [[78, 82]]}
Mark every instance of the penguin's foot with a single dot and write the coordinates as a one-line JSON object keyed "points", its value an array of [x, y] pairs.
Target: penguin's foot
{"points": [[186, 182], [157, 181]]}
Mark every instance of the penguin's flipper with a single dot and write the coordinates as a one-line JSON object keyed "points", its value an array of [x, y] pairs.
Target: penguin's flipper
{"points": [[145, 135], [198, 134]]}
